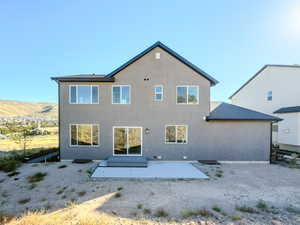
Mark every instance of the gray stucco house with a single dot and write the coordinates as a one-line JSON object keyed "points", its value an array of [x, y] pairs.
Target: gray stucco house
{"points": [[156, 105]]}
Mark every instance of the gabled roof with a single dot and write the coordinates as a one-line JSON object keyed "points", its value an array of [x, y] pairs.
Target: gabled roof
{"points": [[171, 52], [227, 111], [84, 78], [288, 109], [255, 75]]}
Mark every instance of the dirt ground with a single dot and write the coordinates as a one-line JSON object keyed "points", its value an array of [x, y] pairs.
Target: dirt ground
{"points": [[230, 186]]}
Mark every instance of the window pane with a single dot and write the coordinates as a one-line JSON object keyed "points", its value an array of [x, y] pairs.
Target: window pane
{"points": [[269, 96], [125, 95], [181, 134], [116, 94], [158, 89], [95, 135], [84, 135], [193, 95], [181, 95], [158, 97], [73, 98], [134, 141], [95, 94], [73, 135], [171, 134], [120, 139], [84, 94]]}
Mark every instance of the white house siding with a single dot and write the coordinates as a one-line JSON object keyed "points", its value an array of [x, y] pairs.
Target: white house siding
{"points": [[284, 82]]}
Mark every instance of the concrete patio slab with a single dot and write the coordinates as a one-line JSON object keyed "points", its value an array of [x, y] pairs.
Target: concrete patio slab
{"points": [[159, 170]]}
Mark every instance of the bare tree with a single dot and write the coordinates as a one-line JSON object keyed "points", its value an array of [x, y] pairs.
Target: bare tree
{"points": [[20, 133]]}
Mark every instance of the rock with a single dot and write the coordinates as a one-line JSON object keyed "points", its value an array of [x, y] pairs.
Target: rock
{"points": [[276, 222]]}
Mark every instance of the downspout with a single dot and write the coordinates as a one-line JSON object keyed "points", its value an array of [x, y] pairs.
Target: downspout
{"points": [[271, 142], [58, 83]]}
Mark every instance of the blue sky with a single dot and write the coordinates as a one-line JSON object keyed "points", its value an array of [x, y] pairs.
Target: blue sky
{"points": [[230, 40]]}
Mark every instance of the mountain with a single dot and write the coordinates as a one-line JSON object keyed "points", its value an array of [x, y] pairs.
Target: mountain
{"points": [[10, 108]]}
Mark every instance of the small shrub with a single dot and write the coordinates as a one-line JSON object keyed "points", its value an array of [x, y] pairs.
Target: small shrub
{"points": [[262, 206], [293, 164], [37, 177], [188, 213], [161, 213], [60, 191], [139, 206], [147, 211], [63, 197], [201, 212], [14, 173], [118, 195], [32, 186], [216, 208], [9, 165], [235, 217], [246, 209], [71, 204], [24, 201], [1, 181], [43, 199], [120, 188], [62, 166], [294, 210], [81, 193], [205, 213], [219, 173]]}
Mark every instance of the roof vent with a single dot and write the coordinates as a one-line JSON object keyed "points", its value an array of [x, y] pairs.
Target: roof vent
{"points": [[157, 55]]}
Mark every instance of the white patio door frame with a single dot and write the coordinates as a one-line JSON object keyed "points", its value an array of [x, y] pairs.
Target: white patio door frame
{"points": [[127, 128]]}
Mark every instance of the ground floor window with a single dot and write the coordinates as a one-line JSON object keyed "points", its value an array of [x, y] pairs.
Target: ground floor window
{"points": [[127, 140], [176, 134], [84, 134]]}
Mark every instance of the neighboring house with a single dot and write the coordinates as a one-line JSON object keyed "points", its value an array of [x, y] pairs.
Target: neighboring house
{"points": [[274, 89], [156, 105]]}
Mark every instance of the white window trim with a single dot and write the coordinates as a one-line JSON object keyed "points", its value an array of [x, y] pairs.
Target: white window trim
{"points": [[126, 127], [176, 143], [112, 94], [91, 94], [187, 92], [162, 93], [88, 146]]}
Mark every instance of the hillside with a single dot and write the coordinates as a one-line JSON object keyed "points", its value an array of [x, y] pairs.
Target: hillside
{"points": [[18, 108]]}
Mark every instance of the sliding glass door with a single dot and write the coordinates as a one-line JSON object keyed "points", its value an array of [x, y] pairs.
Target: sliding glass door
{"points": [[127, 141]]}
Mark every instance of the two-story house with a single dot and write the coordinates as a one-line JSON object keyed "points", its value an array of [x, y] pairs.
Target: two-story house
{"points": [[274, 89], [156, 105]]}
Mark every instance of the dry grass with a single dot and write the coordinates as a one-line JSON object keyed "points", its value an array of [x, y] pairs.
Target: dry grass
{"points": [[10, 108], [38, 142]]}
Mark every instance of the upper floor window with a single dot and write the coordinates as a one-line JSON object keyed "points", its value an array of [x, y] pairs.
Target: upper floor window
{"points": [[269, 96], [158, 93], [121, 94], [84, 135], [187, 94], [176, 134], [84, 94]]}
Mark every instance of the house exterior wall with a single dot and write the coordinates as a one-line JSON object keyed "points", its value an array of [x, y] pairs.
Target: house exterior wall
{"points": [[284, 84], [282, 81], [206, 140]]}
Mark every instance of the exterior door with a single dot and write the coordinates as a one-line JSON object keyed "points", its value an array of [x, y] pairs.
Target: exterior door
{"points": [[127, 141]]}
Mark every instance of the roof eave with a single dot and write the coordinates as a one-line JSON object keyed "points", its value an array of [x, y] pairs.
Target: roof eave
{"points": [[240, 119], [82, 79]]}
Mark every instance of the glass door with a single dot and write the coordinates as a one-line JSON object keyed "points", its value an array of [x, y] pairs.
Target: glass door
{"points": [[127, 141]]}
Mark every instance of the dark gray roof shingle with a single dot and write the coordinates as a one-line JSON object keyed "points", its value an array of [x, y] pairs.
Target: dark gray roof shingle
{"points": [[288, 109], [227, 111]]}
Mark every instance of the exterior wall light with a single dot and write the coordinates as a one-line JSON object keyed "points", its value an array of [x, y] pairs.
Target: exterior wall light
{"points": [[147, 131]]}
